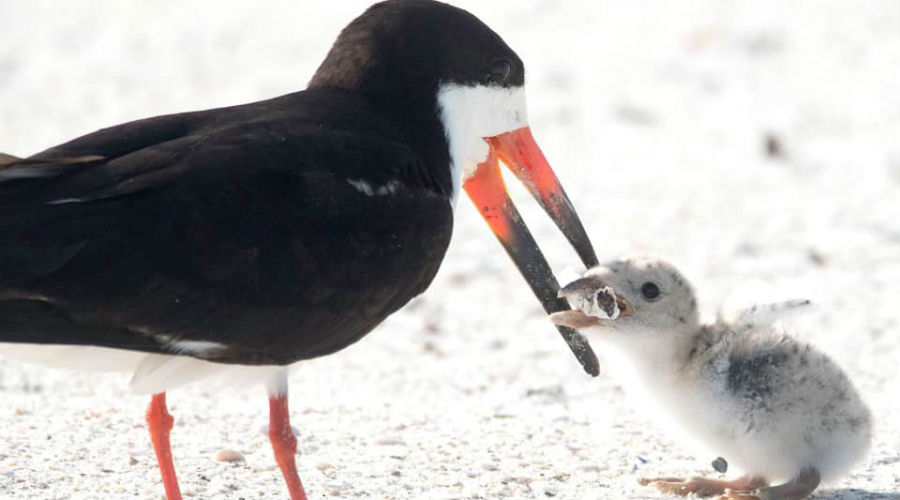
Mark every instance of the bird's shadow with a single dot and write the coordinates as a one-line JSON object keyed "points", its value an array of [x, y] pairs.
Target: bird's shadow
{"points": [[854, 493]]}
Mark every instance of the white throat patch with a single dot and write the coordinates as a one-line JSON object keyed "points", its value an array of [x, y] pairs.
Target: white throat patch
{"points": [[469, 114]]}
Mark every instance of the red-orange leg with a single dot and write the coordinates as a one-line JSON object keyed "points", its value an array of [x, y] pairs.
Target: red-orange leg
{"points": [[159, 422], [284, 444]]}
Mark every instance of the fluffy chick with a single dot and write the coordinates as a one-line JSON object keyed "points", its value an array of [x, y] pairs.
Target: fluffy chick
{"points": [[774, 407]]}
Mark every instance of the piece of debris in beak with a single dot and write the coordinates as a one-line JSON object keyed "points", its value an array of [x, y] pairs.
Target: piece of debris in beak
{"points": [[592, 296], [601, 304], [592, 302]]}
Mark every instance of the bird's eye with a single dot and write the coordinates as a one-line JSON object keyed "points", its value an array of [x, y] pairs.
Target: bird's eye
{"points": [[650, 291], [499, 71]]}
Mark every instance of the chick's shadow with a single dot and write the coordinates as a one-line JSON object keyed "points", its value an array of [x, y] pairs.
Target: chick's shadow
{"points": [[854, 493]]}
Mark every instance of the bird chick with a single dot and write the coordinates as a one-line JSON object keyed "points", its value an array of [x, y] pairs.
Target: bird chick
{"points": [[776, 408]]}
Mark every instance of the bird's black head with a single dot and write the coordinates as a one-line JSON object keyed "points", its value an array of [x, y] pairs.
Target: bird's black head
{"points": [[456, 91], [400, 47], [408, 58]]}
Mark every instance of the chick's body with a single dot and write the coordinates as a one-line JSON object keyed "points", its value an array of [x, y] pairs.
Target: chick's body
{"points": [[774, 407], [770, 405]]}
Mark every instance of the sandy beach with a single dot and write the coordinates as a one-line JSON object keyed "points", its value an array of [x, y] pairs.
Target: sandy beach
{"points": [[756, 144]]}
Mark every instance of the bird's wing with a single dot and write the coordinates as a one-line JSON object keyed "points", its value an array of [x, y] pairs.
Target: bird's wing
{"points": [[200, 227], [106, 145], [40, 237], [47, 209], [763, 314], [53, 202], [6, 159], [757, 371]]}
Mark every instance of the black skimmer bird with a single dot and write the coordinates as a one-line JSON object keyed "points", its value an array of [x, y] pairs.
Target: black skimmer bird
{"points": [[251, 237]]}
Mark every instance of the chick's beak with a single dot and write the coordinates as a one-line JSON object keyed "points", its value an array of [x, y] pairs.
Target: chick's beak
{"points": [[624, 306], [485, 187], [574, 319], [577, 319]]}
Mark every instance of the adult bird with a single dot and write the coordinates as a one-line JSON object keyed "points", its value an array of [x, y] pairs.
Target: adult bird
{"points": [[246, 238]]}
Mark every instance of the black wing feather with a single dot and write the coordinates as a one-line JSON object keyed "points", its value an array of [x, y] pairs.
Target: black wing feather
{"points": [[236, 226]]}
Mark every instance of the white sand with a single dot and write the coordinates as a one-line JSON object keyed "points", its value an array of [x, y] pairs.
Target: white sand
{"points": [[657, 109]]}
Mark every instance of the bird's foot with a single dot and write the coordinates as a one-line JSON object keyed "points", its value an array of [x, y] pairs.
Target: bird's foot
{"points": [[797, 488], [703, 487], [739, 495], [646, 481], [683, 487]]}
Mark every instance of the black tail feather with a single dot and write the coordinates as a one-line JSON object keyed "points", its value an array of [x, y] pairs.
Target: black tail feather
{"points": [[6, 159], [13, 168], [35, 321]]}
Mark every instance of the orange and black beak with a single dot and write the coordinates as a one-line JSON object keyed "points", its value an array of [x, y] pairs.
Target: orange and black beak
{"points": [[519, 151]]}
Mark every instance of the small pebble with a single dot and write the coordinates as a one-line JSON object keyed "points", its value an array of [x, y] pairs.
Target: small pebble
{"points": [[323, 465], [639, 462], [335, 489], [389, 441], [774, 147], [489, 466], [720, 465], [542, 488], [817, 257], [227, 455]]}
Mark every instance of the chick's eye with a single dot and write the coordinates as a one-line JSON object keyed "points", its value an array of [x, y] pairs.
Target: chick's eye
{"points": [[499, 71], [650, 290]]}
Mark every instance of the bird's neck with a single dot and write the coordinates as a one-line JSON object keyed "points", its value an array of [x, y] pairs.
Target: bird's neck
{"points": [[653, 357], [411, 109]]}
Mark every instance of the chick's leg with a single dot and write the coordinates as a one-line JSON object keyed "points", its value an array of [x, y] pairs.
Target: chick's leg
{"points": [[796, 489], [701, 486]]}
